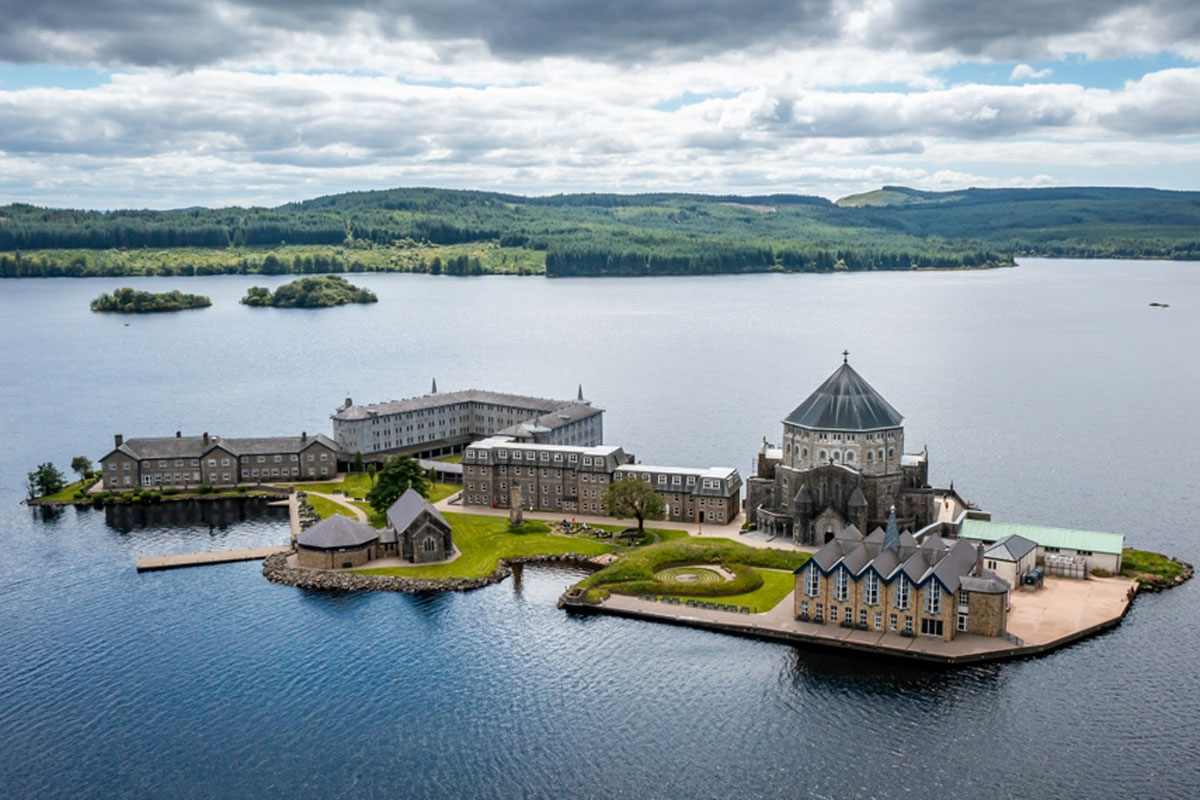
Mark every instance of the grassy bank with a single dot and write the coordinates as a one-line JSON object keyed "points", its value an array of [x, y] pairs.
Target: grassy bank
{"points": [[484, 540], [1150, 570], [776, 584], [327, 508]]}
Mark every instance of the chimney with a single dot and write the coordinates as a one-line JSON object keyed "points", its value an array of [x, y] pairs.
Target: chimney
{"points": [[178, 434], [979, 560], [117, 439], [304, 436], [206, 438], [349, 403]]}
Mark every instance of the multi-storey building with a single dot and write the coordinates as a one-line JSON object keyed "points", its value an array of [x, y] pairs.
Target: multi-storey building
{"points": [[187, 461], [569, 479], [441, 423], [887, 582]]}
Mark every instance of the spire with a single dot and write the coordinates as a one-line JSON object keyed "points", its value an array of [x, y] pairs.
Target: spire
{"points": [[434, 389], [891, 535], [579, 397], [845, 356]]}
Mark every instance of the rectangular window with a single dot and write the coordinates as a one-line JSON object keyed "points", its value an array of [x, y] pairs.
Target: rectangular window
{"points": [[862, 618], [849, 615], [212, 462], [962, 623], [908, 625], [819, 612], [225, 476], [813, 587], [892, 621], [804, 607], [162, 464], [224, 462], [878, 620], [933, 598], [662, 478], [841, 585], [963, 597], [871, 589], [572, 458], [931, 627], [900, 598]]}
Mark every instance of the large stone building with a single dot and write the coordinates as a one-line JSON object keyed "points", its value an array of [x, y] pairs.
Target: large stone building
{"points": [[189, 461], [572, 480], [842, 462], [887, 582], [416, 531], [441, 423], [337, 542]]}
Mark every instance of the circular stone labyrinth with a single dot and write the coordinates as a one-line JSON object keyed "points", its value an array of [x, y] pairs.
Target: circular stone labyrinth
{"points": [[690, 574]]}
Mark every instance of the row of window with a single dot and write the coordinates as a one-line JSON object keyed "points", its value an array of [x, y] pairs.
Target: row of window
{"points": [[929, 627], [870, 590]]}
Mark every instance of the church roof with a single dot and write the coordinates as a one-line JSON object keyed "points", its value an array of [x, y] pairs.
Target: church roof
{"points": [[337, 531], [408, 507], [845, 402]]}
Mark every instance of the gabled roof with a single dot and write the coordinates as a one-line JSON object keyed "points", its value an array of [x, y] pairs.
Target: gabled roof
{"points": [[408, 507], [1011, 548], [857, 500], [988, 584], [337, 531], [163, 447], [845, 402]]}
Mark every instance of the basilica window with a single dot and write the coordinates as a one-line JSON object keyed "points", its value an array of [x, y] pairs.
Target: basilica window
{"points": [[870, 456], [849, 456], [804, 452], [821, 455], [841, 584]]}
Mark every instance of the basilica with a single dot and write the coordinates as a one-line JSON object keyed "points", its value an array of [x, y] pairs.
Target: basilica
{"points": [[841, 462]]}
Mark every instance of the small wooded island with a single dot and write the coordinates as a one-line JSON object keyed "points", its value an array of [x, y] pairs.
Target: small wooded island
{"points": [[320, 291], [132, 301]]}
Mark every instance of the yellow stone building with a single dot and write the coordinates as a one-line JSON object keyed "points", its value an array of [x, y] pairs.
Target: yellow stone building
{"points": [[888, 582]]}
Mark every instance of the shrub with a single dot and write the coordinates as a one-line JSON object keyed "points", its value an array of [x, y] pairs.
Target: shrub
{"points": [[1102, 573], [170, 490], [206, 488], [242, 488]]}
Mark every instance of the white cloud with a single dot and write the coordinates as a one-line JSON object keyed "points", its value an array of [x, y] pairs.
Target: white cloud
{"points": [[1024, 72]]}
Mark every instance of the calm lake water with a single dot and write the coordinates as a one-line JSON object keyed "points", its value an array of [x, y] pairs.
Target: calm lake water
{"points": [[1049, 393]]}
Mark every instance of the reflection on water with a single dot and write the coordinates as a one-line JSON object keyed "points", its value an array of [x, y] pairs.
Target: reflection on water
{"points": [[219, 513]]}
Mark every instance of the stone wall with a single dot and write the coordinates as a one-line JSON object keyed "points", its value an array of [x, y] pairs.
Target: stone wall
{"points": [[275, 569]]}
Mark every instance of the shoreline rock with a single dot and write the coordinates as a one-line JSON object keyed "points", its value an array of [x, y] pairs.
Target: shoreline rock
{"points": [[1156, 584], [275, 569]]}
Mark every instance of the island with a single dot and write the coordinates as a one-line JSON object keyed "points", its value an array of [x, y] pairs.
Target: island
{"points": [[132, 301], [316, 292]]}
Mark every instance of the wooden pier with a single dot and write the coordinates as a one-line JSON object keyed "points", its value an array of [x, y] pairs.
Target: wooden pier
{"points": [[216, 557]]}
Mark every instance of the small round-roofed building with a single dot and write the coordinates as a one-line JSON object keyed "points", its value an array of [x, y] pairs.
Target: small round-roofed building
{"points": [[337, 542], [841, 462]]}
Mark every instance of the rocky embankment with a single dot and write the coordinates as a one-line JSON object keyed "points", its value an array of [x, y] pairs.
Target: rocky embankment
{"points": [[275, 569], [1158, 583]]}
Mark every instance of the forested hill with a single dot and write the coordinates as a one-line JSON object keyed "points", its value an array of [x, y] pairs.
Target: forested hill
{"points": [[437, 230], [1083, 222]]}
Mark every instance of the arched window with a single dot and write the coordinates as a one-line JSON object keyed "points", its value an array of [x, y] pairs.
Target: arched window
{"points": [[870, 456], [837, 455], [891, 452], [822, 455], [804, 452], [429, 545], [881, 454], [849, 455]]}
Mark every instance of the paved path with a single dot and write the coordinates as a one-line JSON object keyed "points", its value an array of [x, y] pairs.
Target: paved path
{"points": [[1063, 611], [218, 557]]}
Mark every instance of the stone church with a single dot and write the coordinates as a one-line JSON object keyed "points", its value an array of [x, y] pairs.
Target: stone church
{"points": [[842, 462]]}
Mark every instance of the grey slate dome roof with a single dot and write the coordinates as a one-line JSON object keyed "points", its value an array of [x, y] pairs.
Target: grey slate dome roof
{"points": [[845, 402], [337, 531]]}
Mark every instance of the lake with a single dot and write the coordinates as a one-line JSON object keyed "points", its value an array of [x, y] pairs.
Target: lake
{"points": [[1050, 393]]}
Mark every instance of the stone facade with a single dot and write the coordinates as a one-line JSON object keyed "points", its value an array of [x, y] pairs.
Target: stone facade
{"points": [[190, 461], [886, 582], [342, 558], [841, 462], [416, 531], [436, 424], [572, 480]]}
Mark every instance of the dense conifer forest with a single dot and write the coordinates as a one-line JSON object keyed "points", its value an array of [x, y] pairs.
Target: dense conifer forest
{"points": [[472, 232]]}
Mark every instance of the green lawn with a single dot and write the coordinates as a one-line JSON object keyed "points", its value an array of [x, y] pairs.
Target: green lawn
{"points": [[634, 572], [65, 493], [356, 484], [484, 540], [452, 459], [776, 585], [440, 491], [327, 508]]}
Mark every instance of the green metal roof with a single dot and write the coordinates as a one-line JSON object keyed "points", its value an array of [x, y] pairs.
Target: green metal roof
{"points": [[1045, 537]]}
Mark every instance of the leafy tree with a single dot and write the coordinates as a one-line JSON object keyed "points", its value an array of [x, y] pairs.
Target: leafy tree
{"points": [[399, 474], [44, 480], [81, 465], [371, 472], [632, 498], [358, 462]]}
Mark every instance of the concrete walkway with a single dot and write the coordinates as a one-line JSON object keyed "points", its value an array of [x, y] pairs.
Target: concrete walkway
{"points": [[1063, 611], [151, 563], [731, 531]]}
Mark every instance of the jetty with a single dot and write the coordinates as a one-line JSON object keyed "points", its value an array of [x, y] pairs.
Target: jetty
{"points": [[152, 563]]}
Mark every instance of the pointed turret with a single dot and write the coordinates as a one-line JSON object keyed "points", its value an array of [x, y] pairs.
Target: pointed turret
{"points": [[857, 499], [433, 389], [891, 534], [579, 396]]}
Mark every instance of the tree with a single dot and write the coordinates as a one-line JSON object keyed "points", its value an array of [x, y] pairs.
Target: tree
{"points": [[398, 475], [371, 472], [358, 462], [44, 480], [81, 466], [632, 498]]}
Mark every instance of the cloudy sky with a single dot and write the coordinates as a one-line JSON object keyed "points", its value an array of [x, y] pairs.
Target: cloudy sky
{"points": [[168, 103]]}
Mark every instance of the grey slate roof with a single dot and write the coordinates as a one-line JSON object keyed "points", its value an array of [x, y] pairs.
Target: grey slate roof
{"points": [[845, 402], [531, 404], [194, 446], [1010, 548], [988, 584], [337, 531], [857, 500], [554, 419], [407, 508]]}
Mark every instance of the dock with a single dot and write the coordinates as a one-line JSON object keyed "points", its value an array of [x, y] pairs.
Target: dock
{"points": [[151, 563]]}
